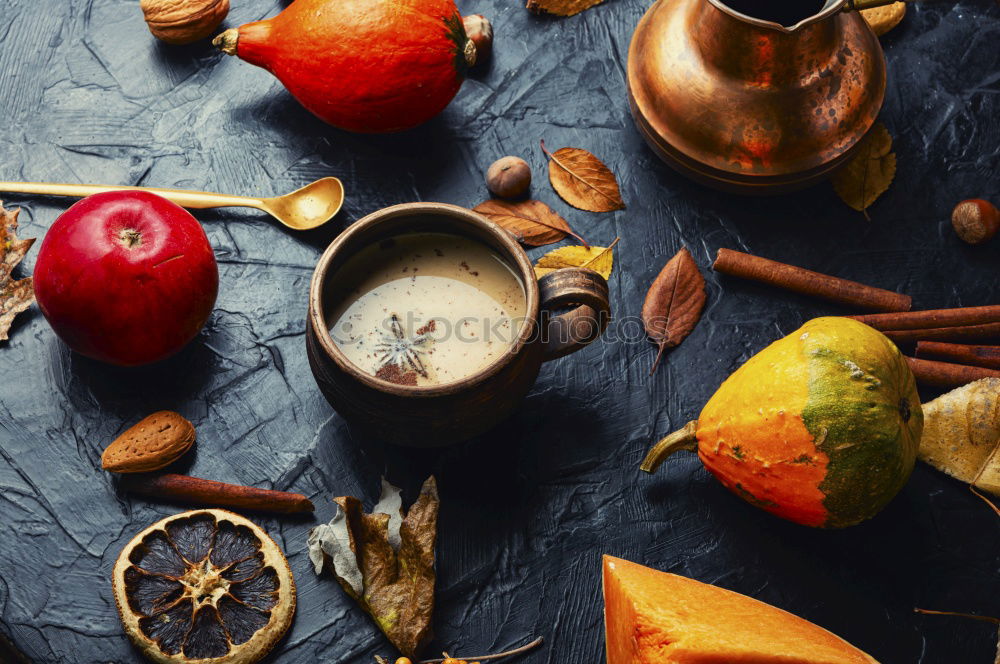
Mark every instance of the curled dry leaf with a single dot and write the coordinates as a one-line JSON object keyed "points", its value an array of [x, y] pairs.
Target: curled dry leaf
{"points": [[531, 222], [561, 7], [961, 434], [869, 173], [598, 259], [15, 296], [385, 561], [674, 302], [583, 181]]}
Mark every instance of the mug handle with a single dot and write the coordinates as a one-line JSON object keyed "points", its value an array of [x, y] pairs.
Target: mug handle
{"points": [[570, 331]]}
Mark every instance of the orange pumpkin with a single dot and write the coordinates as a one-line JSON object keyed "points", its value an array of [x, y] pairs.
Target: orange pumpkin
{"points": [[363, 65]]}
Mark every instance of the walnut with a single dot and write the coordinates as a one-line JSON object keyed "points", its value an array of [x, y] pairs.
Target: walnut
{"points": [[183, 21]]}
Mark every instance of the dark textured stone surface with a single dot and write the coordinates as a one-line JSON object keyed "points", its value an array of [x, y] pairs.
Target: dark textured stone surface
{"points": [[87, 95]]}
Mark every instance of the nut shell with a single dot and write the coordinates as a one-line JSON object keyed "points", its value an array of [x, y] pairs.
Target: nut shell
{"points": [[975, 220], [183, 21], [154, 442], [509, 177]]}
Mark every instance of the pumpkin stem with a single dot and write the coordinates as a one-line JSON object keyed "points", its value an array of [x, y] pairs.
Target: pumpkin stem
{"points": [[682, 439], [470, 53], [226, 42]]}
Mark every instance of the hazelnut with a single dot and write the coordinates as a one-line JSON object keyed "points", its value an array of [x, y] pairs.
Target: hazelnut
{"points": [[509, 177], [975, 220], [183, 21], [479, 30]]}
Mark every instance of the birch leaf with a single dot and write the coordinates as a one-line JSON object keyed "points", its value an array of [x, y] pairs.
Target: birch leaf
{"points": [[673, 303], [598, 259], [869, 172], [583, 181]]}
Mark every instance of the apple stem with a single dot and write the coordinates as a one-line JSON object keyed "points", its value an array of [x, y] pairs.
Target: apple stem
{"points": [[130, 237]]}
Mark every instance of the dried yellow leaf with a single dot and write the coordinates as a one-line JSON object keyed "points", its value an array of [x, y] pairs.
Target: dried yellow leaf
{"points": [[598, 259], [962, 434], [885, 18], [870, 172]]}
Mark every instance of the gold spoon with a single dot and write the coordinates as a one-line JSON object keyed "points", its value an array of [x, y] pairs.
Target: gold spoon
{"points": [[309, 207]]}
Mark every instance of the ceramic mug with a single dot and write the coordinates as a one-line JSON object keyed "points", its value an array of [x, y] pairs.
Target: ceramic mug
{"points": [[435, 415]]}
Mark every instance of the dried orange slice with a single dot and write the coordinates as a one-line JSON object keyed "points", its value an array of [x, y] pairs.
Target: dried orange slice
{"points": [[204, 586]]}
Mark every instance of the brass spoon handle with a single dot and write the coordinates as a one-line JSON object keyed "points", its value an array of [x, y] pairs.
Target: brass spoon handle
{"points": [[184, 198]]}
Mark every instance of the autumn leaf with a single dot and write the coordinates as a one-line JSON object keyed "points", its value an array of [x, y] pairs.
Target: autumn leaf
{"points": [[582, 180], [869, 172], [674, 302], [885, 18], [531, 222], [961, 435], [561, 7], [598, 259], [15, 296], [385, 561]]}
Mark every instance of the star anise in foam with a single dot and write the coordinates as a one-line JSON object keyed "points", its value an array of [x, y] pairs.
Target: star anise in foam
{"points": [[398, 349]]}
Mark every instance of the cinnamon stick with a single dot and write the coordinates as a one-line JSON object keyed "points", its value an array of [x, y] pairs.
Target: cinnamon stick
{"points": [[189, 489], [932, 318], [807, 282], [977, 356], [958, 333], [946, 374]]}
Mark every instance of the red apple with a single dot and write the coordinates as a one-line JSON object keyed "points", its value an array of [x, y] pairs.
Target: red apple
{"points": [[126, 277]]}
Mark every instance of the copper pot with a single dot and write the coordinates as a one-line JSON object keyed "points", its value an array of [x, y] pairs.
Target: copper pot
{"points": [[751, 105]]}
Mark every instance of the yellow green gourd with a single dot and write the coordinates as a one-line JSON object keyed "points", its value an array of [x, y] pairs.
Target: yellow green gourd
{"points": [[820, 428]]}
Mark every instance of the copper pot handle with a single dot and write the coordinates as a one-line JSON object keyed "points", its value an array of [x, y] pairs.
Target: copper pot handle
{"points": [[570, 331]]}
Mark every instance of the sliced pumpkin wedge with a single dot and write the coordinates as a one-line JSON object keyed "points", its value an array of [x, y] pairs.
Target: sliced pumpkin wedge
{"points": [[204, 586], [652, 617]]}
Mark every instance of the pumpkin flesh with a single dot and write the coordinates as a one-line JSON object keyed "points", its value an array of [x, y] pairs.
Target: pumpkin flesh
{"points": [[652, 617]]}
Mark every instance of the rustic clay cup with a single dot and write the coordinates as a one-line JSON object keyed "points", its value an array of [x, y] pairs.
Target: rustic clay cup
{"points": [[431, 416]]}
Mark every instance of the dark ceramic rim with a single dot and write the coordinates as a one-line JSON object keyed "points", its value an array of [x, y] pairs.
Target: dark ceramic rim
{"points": [[514, 254]]}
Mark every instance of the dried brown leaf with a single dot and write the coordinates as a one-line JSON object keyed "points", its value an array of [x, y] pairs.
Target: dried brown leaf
{"points": [[561, 7], [869, 172], [674, 302], [583, 181], [15, 296], [386, 563], [532, 222]]}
